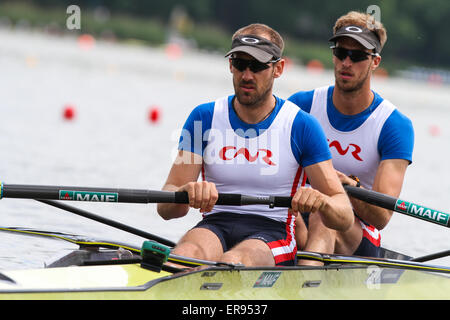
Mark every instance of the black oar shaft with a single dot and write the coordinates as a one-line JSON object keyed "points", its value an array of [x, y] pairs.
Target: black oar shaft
{"points": [[84, 193], [109, 222], [128, 195], [372, 197], [432, 256]]}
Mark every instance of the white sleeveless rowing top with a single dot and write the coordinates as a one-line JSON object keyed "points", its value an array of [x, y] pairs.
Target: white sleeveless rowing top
{"points": [[254, 163], [354, 152]]}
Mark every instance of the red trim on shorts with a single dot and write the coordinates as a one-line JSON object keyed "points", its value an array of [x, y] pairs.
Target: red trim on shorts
{"points": [[375, 241], [286, 242], [290, 235]]}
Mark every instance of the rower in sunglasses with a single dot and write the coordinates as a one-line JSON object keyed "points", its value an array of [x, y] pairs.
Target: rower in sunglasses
{"points": [[368, 136], [255, 143], [263, 58], [363, 38], [354, 55], [254, 65]]}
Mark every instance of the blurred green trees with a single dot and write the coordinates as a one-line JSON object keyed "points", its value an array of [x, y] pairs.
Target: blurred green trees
{"points": [[418, 30]]}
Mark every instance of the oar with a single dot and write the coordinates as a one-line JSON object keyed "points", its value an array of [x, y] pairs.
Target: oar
{"points": [[151, 196], [401, 206], [109, 222], [384, 262], [127, 195], [86, 242]]}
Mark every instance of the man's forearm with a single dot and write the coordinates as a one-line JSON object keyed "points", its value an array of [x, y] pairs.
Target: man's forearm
{"points": [[376, 216], [172, 210], [337, 213]]}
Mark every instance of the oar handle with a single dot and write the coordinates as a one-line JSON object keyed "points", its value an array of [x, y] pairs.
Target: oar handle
{"points": [[232, 199]]}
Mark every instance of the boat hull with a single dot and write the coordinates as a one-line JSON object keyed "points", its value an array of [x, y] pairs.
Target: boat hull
{"points": [[131, 281]]}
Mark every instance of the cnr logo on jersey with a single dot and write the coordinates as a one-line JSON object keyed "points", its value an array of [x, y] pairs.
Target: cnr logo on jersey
{"points": [[265, 154], [238, 147], [355, 153]]}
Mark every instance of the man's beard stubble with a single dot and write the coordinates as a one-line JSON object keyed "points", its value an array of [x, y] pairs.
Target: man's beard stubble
{"points": [[255, 99], [356, 87]]}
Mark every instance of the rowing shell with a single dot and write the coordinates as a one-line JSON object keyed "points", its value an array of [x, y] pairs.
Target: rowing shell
{"points": [[95, 272], [131, 281]]}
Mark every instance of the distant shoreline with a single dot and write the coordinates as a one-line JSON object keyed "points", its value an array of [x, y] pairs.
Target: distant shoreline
{"points": [[153, 32]]}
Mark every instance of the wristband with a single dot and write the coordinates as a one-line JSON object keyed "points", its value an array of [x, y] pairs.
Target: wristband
{"points": [[358, 183]]}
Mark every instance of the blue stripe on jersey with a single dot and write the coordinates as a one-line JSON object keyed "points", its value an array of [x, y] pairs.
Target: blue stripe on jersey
{"points": [[303, 99], [198, 122], [397, 135], [308, 142], [396, 138]]}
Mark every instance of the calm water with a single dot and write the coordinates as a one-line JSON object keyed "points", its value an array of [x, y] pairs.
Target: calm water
{"points": [[111, 143]]}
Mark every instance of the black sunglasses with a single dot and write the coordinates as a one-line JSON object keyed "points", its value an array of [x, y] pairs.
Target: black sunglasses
{"points": [[254, 65], [355, 55]]}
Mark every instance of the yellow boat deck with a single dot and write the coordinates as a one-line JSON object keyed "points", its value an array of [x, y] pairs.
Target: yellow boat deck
{"points": [[131, 281]]}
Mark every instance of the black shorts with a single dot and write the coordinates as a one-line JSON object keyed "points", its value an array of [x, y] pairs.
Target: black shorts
{"points": [[370, 242], [233, 228]]}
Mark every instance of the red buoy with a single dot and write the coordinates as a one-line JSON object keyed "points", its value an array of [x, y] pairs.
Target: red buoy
{"points": [[434, 130], [174, 51], [86, 42], [154, 114], [69, 112], [315, 66]]}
